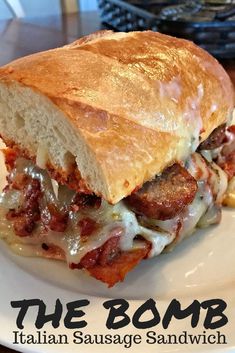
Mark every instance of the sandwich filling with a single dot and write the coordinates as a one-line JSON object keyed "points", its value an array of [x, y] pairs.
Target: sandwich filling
{"points": [[40, 217]]}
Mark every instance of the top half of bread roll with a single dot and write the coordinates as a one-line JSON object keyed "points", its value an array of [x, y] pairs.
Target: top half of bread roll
{"points": [[116, 108]]}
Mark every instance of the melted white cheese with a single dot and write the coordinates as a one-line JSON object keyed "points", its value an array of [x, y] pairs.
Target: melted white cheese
{"points": [[213, 175], [184, 224], [113, 220], [126, 226]]}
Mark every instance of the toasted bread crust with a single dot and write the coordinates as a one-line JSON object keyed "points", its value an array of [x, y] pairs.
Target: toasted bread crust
{"points": [[139, 102]]}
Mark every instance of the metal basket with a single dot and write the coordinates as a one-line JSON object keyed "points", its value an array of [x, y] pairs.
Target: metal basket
{"points": [[210, 24]]}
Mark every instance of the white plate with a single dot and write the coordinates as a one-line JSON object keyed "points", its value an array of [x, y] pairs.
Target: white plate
{"points": [[202, 267]]}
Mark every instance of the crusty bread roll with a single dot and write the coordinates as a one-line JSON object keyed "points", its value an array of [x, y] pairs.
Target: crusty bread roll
{"points": [[122, 106]]}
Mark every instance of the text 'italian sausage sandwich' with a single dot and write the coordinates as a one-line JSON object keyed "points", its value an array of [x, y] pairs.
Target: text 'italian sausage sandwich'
{"points": [[118, 146]]}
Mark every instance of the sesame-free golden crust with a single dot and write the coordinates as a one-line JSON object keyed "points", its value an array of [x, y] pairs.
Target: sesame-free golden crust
{"points": [[138, 99]]}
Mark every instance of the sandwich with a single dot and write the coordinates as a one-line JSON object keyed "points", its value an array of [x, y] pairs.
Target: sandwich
{"points": [[118, 146]]}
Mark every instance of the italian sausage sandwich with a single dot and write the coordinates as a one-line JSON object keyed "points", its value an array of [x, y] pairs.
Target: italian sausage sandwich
{"points": [[117, 147]]}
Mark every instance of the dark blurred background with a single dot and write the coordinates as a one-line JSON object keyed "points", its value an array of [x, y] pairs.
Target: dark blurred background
{"points": [[209, 23]]}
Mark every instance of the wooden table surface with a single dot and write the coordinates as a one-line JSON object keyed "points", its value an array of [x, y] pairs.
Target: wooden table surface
{"points": [[29, 35]]}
